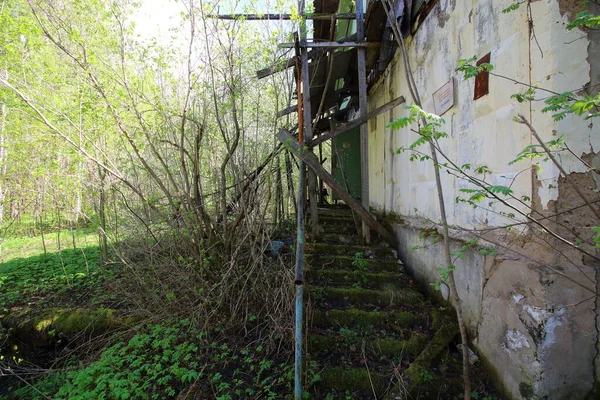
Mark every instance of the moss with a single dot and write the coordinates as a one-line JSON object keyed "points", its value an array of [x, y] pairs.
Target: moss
{"points": [[526, 390], [355, 379], [71, 321], [38, 330], [386, 253], [413, 346], [415, 373], [362, 319], [392, 218], [379, 280], [322, 261], [386, 346], [378, 297], [441, 317]]}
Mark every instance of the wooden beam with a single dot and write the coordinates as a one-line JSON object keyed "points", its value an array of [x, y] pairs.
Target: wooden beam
{"points": [[308, 136], [357, 122], [258, 17], [315, 53], [287, 110], [283, 65], [362, 110], [331, 45], [313, 163]]}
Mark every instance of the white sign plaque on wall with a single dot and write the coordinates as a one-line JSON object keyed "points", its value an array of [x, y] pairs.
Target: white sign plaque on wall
{"points": [[443, 98]]}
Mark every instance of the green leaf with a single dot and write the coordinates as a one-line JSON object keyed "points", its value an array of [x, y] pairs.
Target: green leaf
{"points": [[500, 189], [584, 19], [483, 170], [586, 104], [400, 123], [526, 96], [512, 7]]}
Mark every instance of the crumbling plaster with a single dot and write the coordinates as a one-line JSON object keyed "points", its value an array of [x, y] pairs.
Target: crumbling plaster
{"points": [[525, 321]]}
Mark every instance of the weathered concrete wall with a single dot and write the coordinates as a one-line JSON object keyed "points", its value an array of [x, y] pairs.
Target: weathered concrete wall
{"points": [[535, 326], [522, 320]]}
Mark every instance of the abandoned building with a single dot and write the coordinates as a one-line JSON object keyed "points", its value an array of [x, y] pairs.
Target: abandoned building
{"points": [[528, 286]]}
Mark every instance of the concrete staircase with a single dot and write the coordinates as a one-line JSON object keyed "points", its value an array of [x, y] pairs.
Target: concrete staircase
{"points": [[371, 333]]}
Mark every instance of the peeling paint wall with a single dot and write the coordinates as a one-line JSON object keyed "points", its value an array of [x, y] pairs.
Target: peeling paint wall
{"points": [[520, 317], [481, 132]]}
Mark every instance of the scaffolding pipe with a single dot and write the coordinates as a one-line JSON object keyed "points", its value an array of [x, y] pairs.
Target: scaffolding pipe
{"points": [[299, 282]]}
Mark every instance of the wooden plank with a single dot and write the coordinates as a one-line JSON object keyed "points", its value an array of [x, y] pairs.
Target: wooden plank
{"points": [[330, 45], [363, 105], [357, 122], [314, 54], [280, 66], [258, 17], [287, 111], [308, 136], [313, 163]]}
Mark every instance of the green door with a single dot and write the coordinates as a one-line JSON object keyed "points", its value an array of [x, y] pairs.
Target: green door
{"points": [[346, 156]]}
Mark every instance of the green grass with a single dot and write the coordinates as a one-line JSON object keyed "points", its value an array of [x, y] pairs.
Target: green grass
{"points": [[28, 277], [24, 246], [48, 279]]}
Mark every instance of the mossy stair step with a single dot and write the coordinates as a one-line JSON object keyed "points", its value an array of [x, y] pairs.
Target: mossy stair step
{"points": [[320, 261], [338, 227], [328, 211], [351, 344], [349, 238], [366, 252], [325, 220], [358, 296], [358, 319], [353, 380], [364, 279]]}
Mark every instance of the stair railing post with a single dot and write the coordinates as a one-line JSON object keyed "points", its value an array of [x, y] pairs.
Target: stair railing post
{"points": [[299, 279], [299, 283]]}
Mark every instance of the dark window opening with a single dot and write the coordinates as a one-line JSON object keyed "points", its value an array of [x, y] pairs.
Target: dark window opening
{"points": [[482, 80]]}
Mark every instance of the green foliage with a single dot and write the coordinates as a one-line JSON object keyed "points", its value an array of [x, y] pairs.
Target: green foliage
{"points": [[488, 252], [586, 106], [444, 276], [151, 365], [512, 7], [584, 19], [467, 246], [559, 104], [47, 279], [26, 246], [426, 375], [482, 170], [526, 96], [477, 195], [359, 262], [564, 103], [431, 236], [161, 361], [500, 189], [535, 151], [597, 236], [469, 70], [430, 131]]}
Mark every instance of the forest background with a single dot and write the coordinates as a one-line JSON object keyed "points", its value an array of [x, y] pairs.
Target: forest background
{"points": [[150, 164]]}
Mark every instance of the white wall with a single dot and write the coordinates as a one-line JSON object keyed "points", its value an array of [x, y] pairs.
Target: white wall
{"points": [[530, 350], [481, 132]]}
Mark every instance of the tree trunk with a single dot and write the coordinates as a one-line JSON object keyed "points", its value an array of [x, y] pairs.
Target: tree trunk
{"points": [[102, 216], [2, 169]]}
